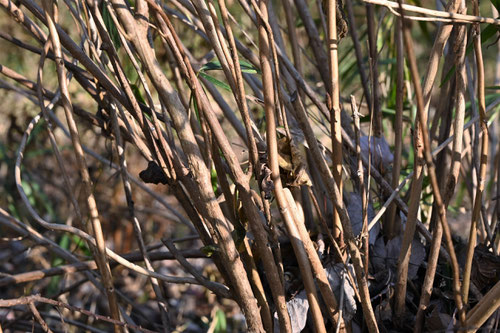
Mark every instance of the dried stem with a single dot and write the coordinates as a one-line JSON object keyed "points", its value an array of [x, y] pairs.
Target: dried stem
{"points": [[422, 117], [447, 15], [362, 186], [272, 146], [390, 228], [484, 161], [334, 195], [95, 223], [334, 108], [372, 43], [353, 32], [484, 309], [37, 298]]}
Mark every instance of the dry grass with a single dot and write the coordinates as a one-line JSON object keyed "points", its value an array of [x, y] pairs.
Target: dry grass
{"points": [[195, 166]]}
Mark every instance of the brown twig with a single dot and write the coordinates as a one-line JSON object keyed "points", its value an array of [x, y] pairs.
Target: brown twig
{"points": [[484, 309], [484, 160], [193, 271], [422, 116], [316, 265], [334, 108], [26, 300], [244, 188], [96, 228], [272, 146], [334, 195], [91, 265], [373, 57], [316, 44], [39, 318], [357, 51], [362, 186], [448, 15], [390, 228]]}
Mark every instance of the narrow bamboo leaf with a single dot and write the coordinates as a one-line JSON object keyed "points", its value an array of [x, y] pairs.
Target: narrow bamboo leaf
{"points": [[210, 66], [81, 245], [386, 113], [486, 34], [215, 81], [209, 250], [221, 325], [214, 179], [448, 76], [195, 107], [387, 61], [496, 3], [110, 26], [245, 66], [137, 93]]}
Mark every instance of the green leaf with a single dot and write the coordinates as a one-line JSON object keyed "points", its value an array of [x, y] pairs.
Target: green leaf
{"points": [[195, 107], [496, 3], [80, 243], [211, 66], [386, 113], [213, 176], [488, 32], [64, 243], [448, 76], [387, 61], [215, 81], [39, 128], [221, 325], [53, 286], [245, 66], [209, 250], [29, 192], [110, 26], [137, 93]]}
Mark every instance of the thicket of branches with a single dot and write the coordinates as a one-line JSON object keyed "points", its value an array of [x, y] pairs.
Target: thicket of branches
{"points": [[310, 162]]}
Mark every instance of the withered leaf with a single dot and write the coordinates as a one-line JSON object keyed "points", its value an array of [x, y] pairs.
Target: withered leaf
{"points": [[291, 160], [297, 308], [485, 267], [385, 255], [334, 275], [266, 183], [153, 174], [284, 154]]}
